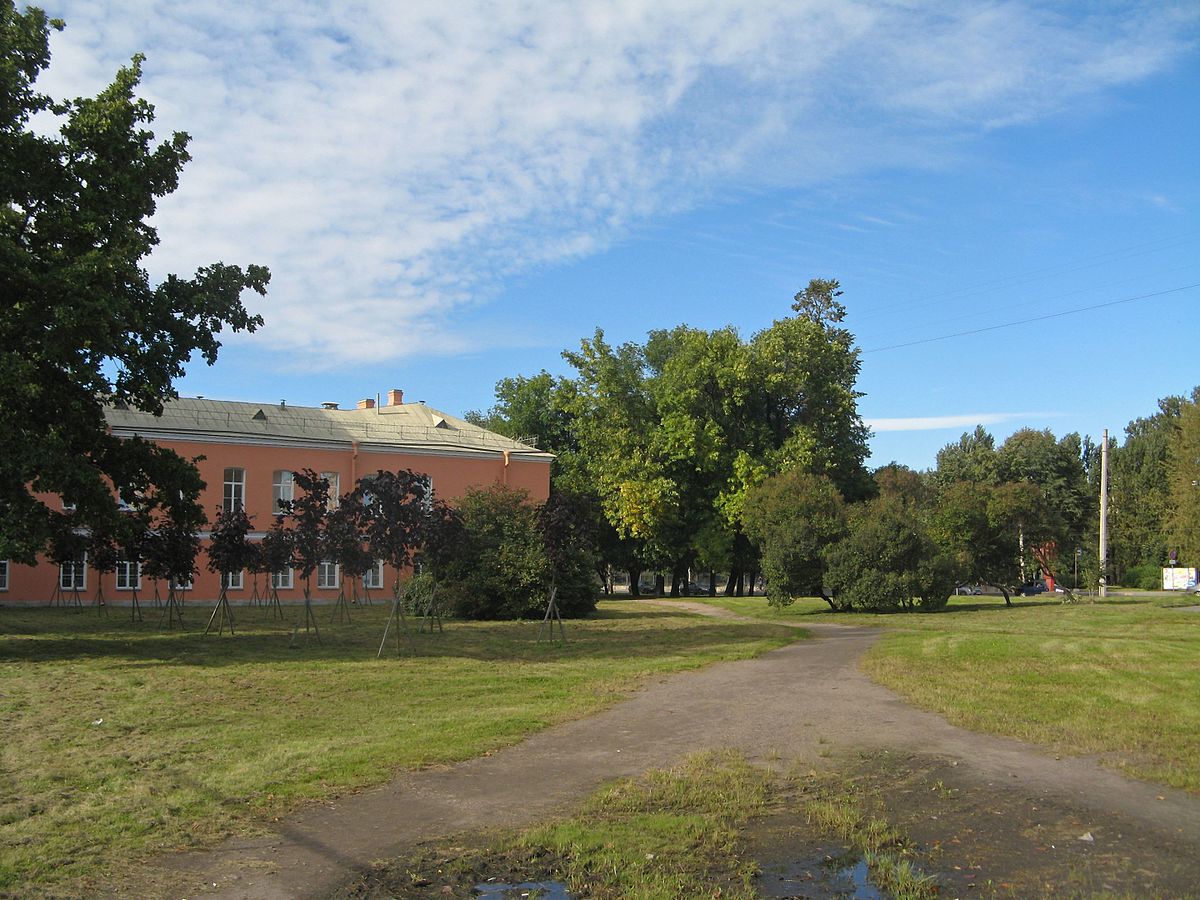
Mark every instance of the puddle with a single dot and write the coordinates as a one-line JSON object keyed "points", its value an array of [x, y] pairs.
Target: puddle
{"points": [[820, 878], [545, 890]]}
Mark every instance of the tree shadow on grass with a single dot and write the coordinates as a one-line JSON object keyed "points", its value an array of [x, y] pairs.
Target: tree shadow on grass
{"points": [[53, 636]]}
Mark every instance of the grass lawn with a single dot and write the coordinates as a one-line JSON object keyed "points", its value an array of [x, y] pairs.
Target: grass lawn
{"points": [[1118, 678], [121, 741]]}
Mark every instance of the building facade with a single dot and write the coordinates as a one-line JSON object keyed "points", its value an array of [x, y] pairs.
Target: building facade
{"points": [[250, 451]]}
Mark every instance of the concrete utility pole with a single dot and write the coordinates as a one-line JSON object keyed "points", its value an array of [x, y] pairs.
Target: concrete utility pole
{"points": [[1104, 515]]}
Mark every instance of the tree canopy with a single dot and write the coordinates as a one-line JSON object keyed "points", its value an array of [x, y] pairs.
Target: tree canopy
{"points": [[82, 325]]}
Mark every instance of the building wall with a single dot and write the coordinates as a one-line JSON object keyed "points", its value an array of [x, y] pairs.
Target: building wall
{"points": [[452, 473]]}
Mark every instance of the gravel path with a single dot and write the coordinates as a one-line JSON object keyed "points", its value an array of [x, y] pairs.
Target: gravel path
{"points": [[805, 700]]}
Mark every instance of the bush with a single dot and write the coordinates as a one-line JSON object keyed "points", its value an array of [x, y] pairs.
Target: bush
{"points": [[888, 561], [512, 552], [1146, 576]]}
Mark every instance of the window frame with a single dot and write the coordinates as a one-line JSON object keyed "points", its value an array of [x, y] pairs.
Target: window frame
{"points": [[234, 581], [376, 575], [280, 479], [334, 480], [122, 573], [5, 565], [78, 567], [324, 583], [280, 583], [233, 495]]}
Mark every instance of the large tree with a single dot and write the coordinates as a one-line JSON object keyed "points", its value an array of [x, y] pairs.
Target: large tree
{"points": [[1183, 480], [82, 325], [676, 431]]}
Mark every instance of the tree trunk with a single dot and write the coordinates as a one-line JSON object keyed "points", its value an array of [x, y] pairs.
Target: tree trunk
{"points": [[731, 582], [674, 584], [753, 578], [1004, 591], [824, 596], [635, 575], [660, 585], [712, 583]]}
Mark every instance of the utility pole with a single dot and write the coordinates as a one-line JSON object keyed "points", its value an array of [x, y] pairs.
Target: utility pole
{"points": [[1104, 515]]}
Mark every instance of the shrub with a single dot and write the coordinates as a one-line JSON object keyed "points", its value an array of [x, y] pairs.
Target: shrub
{"points": [[512, 552], [888, 561], [1146, 576]]}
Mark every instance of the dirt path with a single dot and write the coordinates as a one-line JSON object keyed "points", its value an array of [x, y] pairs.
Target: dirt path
{"points": [[807, 700]]}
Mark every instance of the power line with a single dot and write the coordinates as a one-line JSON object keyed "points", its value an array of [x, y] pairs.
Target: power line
{"points": [[1057, 315]]}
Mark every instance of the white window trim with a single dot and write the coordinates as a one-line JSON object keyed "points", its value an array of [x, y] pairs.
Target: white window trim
{"points": [[283, 487], [324, 583], [335, 488], [4, 568], [283, 580], [121, 565], [80, 563], [233, 495], [234, 581], [373, 577]]}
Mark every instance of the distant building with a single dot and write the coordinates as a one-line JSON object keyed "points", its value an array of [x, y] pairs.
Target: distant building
{"points": [[250, 451]]}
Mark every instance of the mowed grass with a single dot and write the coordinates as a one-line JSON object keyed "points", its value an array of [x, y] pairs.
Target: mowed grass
{"points": [[121, 741], [1119, 678]]}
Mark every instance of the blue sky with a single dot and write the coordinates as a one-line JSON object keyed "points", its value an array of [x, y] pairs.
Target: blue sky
{"points": [[450, 194]]}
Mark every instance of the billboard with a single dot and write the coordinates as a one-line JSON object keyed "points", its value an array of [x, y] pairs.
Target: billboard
{"points": [[1179, 578]]}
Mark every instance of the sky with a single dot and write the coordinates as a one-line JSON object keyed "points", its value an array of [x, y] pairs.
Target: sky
{"points": [[452, 193]]}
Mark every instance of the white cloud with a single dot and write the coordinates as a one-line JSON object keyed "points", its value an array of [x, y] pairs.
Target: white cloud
{"points": [[943, 423], [394, 162]]}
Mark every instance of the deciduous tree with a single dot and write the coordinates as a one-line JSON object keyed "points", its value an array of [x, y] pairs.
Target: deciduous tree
{"points": [[82, 325]]}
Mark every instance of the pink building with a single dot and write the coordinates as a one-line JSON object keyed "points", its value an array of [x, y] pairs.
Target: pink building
{"points": [[250, 451]]}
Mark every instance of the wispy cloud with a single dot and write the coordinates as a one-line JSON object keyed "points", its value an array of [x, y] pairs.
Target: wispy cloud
{"points": [[393, 163], [943, 423]]}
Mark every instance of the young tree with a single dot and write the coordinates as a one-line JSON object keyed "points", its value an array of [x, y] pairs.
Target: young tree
{"points": [[229, 551], [170, 553], [565, 522], [345, 546], [82, 326], [307, 513], [275, 557]]}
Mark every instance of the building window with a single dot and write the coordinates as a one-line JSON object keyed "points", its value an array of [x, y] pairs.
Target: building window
{"points": [[373, 577], [233, 581], [283, 490], [72, 575], [282, 581], [334, 480], [129, 575], [235, 489], [328, 575], [3, 574], [177, 585]]}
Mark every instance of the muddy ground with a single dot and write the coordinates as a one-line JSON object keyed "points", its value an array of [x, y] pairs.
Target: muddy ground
{"points": [[975, 839]]}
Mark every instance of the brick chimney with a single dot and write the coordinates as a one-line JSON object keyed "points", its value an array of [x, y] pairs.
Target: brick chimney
{"points": [[366, 404], [395, 397]]}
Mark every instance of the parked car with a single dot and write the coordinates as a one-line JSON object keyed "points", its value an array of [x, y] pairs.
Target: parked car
{"points": [[969, 590], [1031, 588]]}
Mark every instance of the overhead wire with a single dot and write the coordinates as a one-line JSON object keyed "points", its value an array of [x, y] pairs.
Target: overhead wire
{"points": [[1042, 318]]}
